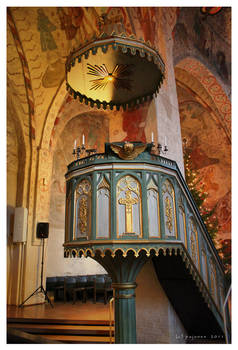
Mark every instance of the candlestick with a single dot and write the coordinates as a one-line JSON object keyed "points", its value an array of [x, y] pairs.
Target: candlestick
{"points": [[78, 151], [162, 149]]}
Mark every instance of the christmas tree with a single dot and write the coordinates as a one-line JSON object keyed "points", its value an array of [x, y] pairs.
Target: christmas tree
{"points": [[196, 187], [225, 253]]}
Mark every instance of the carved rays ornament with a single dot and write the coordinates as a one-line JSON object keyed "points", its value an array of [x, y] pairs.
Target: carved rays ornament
{"points": [[83, 214], [169, 214], [118, 77], [168, 207], [84, 189]]}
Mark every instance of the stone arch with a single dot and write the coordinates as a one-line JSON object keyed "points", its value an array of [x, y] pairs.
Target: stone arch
{"points": [[62, 110], [25, 72], [196, 76], [23, 151], [18, 157], [50, 119]]}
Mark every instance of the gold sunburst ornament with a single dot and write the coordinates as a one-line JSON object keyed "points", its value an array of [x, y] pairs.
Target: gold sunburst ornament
{"points": [[118, 77], [114, 70]]}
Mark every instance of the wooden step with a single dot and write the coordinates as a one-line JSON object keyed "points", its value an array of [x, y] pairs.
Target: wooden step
{"points": [[66, 333], [61, 329], [78, 339], [57, 321]]}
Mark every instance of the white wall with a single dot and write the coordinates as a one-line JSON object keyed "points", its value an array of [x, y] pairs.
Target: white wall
{"points": [[57, 265], [156, 320]]}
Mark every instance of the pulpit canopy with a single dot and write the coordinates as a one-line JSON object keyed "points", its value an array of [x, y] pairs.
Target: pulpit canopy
{"points": [[114, 70]]}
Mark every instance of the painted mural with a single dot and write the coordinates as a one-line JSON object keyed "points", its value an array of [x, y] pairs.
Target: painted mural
{"points": [[207, 34], [135, 124], [95, 129], [209, 149]]}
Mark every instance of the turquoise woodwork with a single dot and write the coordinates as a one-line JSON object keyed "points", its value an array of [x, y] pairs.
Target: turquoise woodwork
{"points": [[123, 271], [114, 251]]}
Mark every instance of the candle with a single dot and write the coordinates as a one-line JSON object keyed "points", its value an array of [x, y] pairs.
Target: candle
{"points": [[75, 144], [152, 137], [83, 139], [165, 141]]}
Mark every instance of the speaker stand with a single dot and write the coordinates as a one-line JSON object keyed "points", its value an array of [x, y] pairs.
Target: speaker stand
{"points": [[40, 289]]}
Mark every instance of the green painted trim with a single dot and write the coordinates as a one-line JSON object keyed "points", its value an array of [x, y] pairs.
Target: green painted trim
{"points": [[145, 222], [161, 204], [176, 194], [113, 206], [199, 249], [72, 209], [94, 205]]}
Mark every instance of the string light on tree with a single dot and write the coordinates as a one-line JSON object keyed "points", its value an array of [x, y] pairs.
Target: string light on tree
{"points": [[196, 187]]}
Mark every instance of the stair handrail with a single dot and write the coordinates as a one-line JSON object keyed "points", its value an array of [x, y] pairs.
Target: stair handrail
{"points": [[110, 318], [225, 316]]}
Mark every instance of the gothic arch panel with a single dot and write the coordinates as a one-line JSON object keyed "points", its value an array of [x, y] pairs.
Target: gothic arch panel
{"points": [[103, 209], [153, 209]]}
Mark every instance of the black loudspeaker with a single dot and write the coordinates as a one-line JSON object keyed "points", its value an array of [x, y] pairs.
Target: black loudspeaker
{"points": [[42, 230]]}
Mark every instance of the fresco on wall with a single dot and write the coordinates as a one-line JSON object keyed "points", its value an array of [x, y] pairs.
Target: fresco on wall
{"points": [[130, 125], [208, 34], [209, 148], [61, 29], [45, 27], [82, 23], [95, 128], [134, 124]]}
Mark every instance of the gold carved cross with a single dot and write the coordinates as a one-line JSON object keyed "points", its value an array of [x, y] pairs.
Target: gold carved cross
{"points": [[128, 202]]}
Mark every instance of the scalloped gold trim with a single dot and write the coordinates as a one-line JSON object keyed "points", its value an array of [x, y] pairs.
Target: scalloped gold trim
{"points": [[90, 251]]}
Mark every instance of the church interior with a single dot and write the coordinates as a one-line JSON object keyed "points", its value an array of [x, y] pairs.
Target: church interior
{"points": [[114, 116]]}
